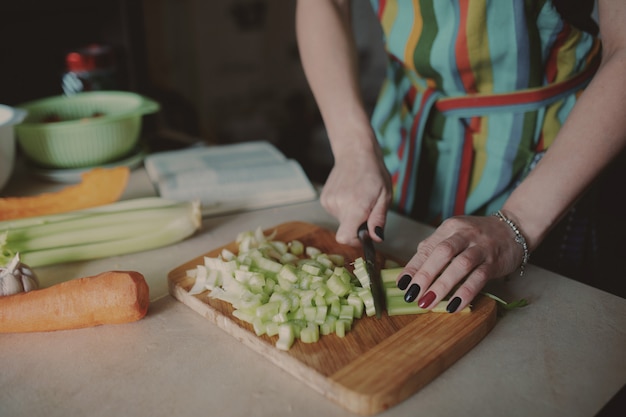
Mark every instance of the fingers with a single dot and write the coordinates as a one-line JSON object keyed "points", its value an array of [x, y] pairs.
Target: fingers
{"points": [[461, 270], [347, 232], [353, 208], [455, 263], [352, 220], [378, 218]]}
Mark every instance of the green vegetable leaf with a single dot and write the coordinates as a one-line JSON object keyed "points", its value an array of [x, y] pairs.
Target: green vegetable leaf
{"points": [[507, 305]]}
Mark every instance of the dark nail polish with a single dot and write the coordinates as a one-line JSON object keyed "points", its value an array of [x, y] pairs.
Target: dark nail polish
{"points": [[412, 293], [404, 281], [453, 305], [379, 232], [427, 299]]}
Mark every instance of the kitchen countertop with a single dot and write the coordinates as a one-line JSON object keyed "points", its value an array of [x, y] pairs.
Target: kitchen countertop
{"points": [[563, 355]]}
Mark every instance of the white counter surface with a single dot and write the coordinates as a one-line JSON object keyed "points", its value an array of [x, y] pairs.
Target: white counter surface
{"points": [[563, 355]]}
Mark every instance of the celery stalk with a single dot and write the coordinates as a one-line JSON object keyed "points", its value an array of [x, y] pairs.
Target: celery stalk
{"points": [[115, 229]]}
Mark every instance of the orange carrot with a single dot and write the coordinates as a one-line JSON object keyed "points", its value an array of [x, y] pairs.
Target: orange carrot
{"points": [[111, 297], [99, 186]]}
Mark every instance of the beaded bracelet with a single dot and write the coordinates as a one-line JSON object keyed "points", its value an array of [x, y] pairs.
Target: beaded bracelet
{"points": [[519, 238]]}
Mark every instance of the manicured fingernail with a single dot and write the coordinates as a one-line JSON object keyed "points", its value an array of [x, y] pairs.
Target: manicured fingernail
{"points": [[412, 293], [453, 305], [379, 232], [403, 282], [427, 299]]}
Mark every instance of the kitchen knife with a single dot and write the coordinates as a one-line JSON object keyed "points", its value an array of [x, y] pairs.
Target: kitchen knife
{"points": [[369, 253]]}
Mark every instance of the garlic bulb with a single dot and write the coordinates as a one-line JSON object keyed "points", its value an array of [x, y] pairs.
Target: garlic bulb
{"points": [[17, 277]]}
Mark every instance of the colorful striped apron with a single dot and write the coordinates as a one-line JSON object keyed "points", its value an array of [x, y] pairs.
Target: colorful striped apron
{"points": [[475, 92]]}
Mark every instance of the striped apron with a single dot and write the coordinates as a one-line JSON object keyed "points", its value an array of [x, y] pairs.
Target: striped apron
{"points": [[475, 92]]}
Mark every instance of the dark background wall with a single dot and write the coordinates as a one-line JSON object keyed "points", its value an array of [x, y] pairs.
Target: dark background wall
{"points": [[224, 71]]}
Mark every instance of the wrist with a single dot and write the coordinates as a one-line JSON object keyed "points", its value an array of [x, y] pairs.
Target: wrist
{"points": [[519, 238], [350, 139]]}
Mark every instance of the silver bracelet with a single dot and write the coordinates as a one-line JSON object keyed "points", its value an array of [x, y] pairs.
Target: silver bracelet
{"points": [[519, 238]]}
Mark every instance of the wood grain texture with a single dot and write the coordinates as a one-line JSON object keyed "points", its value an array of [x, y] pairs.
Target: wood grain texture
{"points": [[379, 362]]}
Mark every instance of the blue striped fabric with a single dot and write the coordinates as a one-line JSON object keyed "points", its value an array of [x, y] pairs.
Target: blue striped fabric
{"points": [[466, 159]]}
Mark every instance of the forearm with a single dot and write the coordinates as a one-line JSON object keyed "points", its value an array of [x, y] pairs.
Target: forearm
{"points": [[329, 57], [594, 133]]}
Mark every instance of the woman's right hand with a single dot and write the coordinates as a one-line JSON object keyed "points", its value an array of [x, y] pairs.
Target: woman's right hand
{"points": [[357, 190]]}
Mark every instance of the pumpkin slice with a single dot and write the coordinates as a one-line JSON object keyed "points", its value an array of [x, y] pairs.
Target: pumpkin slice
{"points": [[98, 186]]}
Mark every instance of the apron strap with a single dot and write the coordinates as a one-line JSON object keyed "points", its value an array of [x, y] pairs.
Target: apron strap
{"points": [[473, 105]]}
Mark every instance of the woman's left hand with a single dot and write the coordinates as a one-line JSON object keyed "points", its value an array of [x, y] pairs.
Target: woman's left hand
{"points": [[464, 252]]}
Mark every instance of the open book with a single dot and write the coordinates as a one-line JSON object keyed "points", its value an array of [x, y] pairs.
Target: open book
{"points": [[228, 178]]}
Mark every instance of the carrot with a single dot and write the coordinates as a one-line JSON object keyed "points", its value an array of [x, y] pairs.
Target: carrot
{"points": [[98, 186], [111, 297]]}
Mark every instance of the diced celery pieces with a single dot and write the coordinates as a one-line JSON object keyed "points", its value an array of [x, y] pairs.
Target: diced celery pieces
{"points": [[362, 276], [306, 298], [346, 312], [288, 258], [286, 336], [337, 260], [311, 269], [355, 301], [335, 308], [331, 297], [324, 260], [200, 275], [270, 284], [294, 301], [227, 255], [297, 314], [305, 282], [319, 300], [284, 284], [312, 251], [342, 327], [271, 328], [310, 313], [288, 272], [267, 264], [328, 326], [296, 247], [370, 311], [280, 246], [337, 285], [368, 301], [310, 334], [280, 318], [258, 325], [244, 315], [320, 314], [268, 310], [213, 279]]}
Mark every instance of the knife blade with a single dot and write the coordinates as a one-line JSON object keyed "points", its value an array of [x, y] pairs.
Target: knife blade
{"points": [[369, 254]]}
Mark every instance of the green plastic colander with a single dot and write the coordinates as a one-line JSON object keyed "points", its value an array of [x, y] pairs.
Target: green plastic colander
{"points": [[82, 130]]}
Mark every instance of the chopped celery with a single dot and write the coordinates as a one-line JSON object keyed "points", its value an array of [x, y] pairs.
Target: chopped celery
{"points": [[286, 336], [300, 296], [298, 299], [296, 247]]}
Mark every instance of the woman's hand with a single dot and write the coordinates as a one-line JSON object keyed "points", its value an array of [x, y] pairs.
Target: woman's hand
{"points": [[358, 189], [463, 253]]}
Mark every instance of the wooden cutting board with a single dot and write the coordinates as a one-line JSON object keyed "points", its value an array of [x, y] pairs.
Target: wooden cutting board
{"points": [[379, 362]]}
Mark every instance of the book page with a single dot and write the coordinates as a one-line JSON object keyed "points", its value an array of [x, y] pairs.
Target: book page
{"points": [[231, 177]]}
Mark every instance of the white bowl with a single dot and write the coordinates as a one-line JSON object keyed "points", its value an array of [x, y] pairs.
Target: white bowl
{"points": [[9, 117]]}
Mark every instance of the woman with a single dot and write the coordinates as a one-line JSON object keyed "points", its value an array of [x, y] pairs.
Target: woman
{"points": [[482, 111]]}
